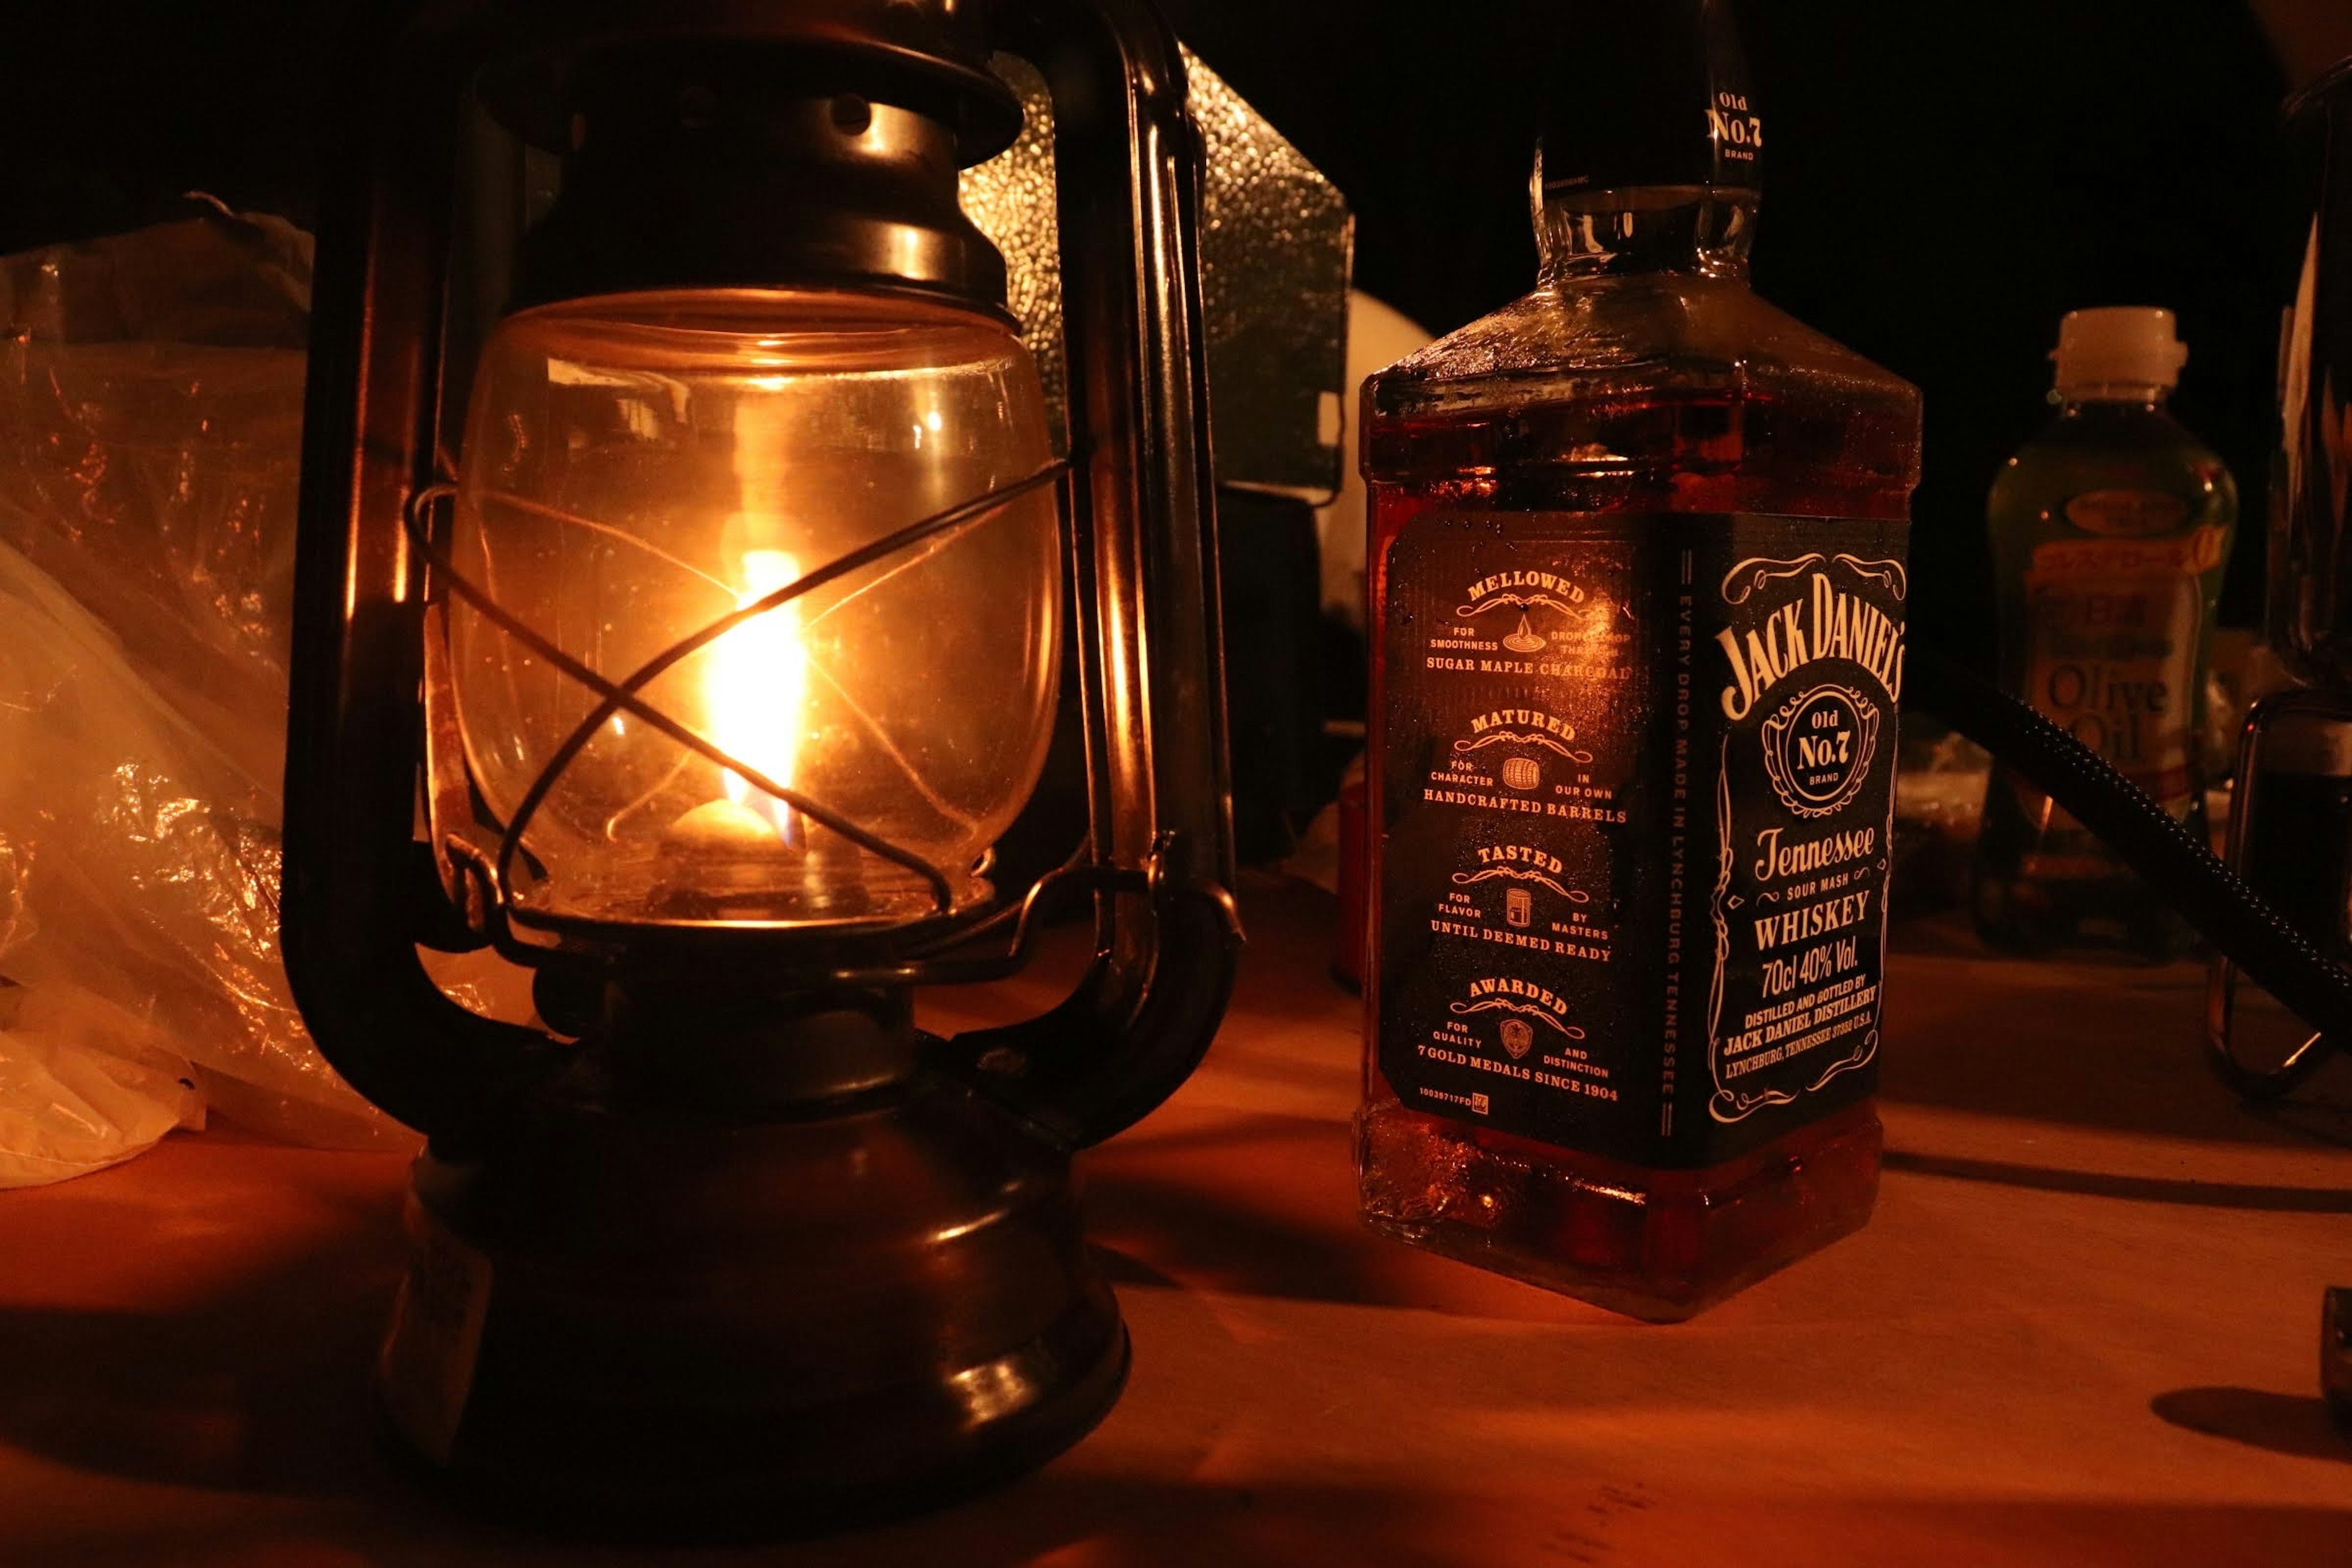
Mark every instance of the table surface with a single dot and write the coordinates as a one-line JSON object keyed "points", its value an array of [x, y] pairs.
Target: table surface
{"points": [[2081, 1328]]}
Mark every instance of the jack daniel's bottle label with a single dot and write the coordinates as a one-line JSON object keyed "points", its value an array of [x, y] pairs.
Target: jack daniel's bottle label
{"points": [[1637, 779]]}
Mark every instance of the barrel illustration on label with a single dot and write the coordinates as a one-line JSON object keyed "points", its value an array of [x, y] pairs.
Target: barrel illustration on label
{"points": [[1812, 658], [1528, 760], [1533, 734]]}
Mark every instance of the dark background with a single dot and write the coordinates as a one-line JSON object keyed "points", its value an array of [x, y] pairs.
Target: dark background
{"points": [[1943, 181]]}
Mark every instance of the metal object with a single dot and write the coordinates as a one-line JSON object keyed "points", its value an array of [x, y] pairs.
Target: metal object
{"points": [[1276, 247], [754, 1255], [2290, 837], [1275, 250], [2304, 734], [2309, 603]]}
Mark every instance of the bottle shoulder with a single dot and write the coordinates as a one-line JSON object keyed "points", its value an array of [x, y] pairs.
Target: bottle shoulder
{"points": [[1607, 336], [1645, 392], [2122, 448]]}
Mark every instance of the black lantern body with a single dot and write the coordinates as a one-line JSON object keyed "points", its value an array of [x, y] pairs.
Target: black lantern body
{"points": [[732, 1245]]}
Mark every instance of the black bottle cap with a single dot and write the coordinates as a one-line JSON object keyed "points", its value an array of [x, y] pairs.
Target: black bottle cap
{"points": [[1648, 92]]}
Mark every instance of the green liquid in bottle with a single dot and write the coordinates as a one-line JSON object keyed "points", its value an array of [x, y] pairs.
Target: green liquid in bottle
{"points": [[2110, 532]]}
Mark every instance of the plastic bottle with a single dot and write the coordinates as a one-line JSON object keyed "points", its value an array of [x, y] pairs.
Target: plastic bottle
{"points": [[2110, 531]]}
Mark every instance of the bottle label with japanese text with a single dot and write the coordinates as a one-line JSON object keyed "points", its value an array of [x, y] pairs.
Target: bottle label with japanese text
{"points": [[2114, 623], [1636, 790]]}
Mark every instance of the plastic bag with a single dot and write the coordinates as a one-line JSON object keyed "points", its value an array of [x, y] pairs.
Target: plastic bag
{"points": [[90, 1096], [142, 874], [150, 424], [150, 399]]}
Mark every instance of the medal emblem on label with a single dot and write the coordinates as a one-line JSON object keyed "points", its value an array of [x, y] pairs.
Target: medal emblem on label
{"points": [[1818, 749]]}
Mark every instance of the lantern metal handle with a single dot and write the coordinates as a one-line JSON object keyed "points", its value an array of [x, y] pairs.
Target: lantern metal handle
{"points": [[356, 881], [1150, 646]]}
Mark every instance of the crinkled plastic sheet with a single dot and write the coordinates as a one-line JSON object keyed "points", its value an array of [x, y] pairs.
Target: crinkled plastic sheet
{"points": [[151, 397]]}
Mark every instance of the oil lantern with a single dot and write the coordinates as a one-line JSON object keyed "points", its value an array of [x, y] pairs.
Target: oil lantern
{"points": [[686, 583]]}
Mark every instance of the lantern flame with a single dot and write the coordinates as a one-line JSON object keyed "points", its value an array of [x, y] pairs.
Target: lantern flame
{"points": [[755, 691]]}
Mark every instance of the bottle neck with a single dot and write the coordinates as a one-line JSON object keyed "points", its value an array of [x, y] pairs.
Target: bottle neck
{"points": [[1693, 230]]}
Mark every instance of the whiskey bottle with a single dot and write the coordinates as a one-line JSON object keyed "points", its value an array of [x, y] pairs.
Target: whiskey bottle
{"points": [[1638, 587], [2110, 531]]}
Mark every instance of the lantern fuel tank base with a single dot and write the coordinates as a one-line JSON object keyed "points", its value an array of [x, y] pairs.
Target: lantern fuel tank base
{"points": [[656, 1322]]}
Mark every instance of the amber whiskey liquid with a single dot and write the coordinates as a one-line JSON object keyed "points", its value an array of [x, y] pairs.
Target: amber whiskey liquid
{"points": [[1636, 580]]}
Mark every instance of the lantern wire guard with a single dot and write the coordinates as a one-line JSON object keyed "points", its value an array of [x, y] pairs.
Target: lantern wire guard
{"points": [[497, 910]]}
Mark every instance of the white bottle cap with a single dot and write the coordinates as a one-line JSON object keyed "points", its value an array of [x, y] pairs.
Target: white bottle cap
{"points": [[2119, 345]]}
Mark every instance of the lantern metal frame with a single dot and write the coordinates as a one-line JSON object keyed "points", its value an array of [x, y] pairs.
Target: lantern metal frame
{"points": [[732, 1246], [370, 715]]}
